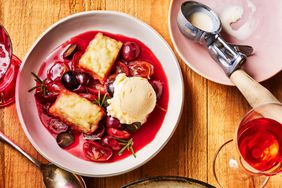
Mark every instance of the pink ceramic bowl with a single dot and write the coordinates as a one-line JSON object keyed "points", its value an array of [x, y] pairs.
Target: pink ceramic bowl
{"points": [[63, 30]]}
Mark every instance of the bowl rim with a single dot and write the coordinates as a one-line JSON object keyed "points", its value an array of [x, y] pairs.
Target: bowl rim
{"points": [[85, 13]]}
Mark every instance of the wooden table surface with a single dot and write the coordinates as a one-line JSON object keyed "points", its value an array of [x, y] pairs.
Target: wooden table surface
{"points": [[211, 111]]}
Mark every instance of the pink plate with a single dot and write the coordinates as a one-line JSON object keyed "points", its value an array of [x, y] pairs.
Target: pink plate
{"points": [[266, 40]]}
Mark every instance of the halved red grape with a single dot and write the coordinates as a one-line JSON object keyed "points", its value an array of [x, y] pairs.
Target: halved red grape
{"points": [[118, 133], [122, 68], [56, 126], [111, 142], [141, 68], [112, 122], [94, 151], [158, 87], [57, 70], [130, 51]]}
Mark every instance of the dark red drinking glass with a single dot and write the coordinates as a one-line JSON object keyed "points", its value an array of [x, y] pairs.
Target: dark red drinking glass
{"points": [[9, 66]]}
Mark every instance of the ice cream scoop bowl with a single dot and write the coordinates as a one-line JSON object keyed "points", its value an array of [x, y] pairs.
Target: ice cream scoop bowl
{"points": [[187, 22]]}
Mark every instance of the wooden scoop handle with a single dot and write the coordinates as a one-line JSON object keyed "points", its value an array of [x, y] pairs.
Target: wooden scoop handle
{"points": [[254, 92]]}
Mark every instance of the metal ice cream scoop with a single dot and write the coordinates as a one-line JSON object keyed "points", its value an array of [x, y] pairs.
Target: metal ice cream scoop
{"points": [[230, 57]]}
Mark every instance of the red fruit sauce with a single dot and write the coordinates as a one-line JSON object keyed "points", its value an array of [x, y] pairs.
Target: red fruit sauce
{"points": [[142, 136]]}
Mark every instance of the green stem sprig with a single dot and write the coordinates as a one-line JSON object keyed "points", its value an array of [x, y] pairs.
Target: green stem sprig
{"points": [[41, 84], [100, 100], [127, 144]]}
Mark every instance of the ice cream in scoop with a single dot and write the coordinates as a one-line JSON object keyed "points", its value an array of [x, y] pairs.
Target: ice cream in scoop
{"points": [[133, 100]]}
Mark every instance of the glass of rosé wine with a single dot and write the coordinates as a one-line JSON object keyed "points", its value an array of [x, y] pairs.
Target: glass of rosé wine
{"points": [[9, 66], [255, 153]]}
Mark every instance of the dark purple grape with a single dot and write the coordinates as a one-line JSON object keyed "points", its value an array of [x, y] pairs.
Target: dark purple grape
{"points": [[65, 139], [158, 87], [69, 80], [112, 122], [130, 51], [83, 78]]}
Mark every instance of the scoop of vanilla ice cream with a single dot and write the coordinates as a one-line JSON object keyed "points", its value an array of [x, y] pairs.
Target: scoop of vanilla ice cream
{"points": [[133, 100]]}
